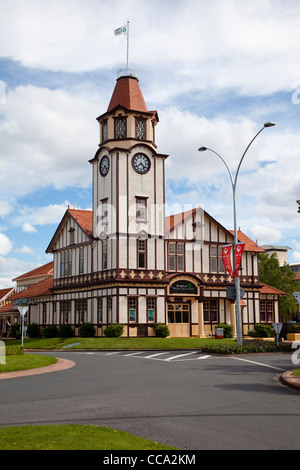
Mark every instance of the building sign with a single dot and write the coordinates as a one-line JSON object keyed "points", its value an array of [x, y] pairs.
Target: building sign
{"points": [[231, 293], [183, 287]]}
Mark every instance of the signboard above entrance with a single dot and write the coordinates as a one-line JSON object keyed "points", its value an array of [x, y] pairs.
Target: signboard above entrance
{"points": [[183, 287]]}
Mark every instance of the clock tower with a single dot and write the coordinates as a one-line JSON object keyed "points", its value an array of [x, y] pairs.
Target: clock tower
{"points": [[128, 188]]}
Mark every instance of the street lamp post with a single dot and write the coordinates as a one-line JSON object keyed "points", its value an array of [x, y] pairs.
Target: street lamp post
{"points": [[234, 183]]}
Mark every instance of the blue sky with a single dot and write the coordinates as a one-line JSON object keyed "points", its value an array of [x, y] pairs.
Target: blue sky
{"points": [[215, 72]]}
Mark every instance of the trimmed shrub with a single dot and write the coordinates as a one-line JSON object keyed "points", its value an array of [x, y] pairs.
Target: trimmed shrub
{"points": [[33, 330], [50, 331], [87, 330], [14, 350], [262, 331], [65, 331], [15, 331], [228, 329], [114, 330], [162, 331]]}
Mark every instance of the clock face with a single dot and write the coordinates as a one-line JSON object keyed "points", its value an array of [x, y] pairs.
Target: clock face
{"points": [[104, 166], [141, 163]]}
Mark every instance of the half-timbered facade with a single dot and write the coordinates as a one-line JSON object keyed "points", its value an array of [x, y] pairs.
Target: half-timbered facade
{"points": [[126, 262]]}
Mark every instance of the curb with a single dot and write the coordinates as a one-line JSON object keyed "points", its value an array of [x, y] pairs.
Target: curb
{"points": [[61, 364], [291, 380]]}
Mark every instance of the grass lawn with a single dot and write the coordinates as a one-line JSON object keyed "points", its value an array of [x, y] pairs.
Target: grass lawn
{"points": [[72, 437], [119, 343], [26, 361]]}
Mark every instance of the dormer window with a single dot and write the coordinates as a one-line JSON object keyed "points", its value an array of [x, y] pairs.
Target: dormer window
{"points": [[120, 128], [140, 125], [104, 131]]}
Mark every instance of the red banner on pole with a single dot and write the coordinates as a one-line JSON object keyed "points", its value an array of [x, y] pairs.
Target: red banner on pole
{"points": [[226, 250], [239, 249]]}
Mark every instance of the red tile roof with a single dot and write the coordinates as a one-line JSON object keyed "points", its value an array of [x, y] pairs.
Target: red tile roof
{"points": [[270, 290], [4, 292], [46, 269], [127, 93], [84, 218], [250, 245], [41, 288], [8, 308]]}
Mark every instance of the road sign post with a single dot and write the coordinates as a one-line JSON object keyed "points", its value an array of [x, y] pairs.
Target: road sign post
{"points": [[23, 311], [277, 327]]}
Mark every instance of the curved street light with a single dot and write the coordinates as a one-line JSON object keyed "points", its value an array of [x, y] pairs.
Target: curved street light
{"points": [[234, 183]]}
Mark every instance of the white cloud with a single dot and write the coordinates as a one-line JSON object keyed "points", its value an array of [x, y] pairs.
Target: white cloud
{"points": [[5, 244], [25, 250], [10, 268], [28, 228], [5, 208], [51, 214]]}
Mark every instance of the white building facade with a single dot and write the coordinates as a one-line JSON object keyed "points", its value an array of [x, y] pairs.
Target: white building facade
{"points": [[126, 262]]}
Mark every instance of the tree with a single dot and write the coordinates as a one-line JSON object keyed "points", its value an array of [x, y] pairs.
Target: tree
{"points": [[280, 277]]}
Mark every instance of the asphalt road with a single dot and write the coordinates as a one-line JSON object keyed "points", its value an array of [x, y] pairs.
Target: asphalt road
{"points": [[181, 398]]}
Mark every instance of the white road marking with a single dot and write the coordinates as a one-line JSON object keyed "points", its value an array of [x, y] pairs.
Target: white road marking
{"points": [[181, 355], [257, 363]]}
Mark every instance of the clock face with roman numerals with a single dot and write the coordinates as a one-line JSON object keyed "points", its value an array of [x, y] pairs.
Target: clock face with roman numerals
{"points": [[104, 166], [141, 163]]}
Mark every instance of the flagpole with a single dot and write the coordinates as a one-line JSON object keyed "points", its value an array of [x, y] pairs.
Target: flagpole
{"points": [[127, 47]]}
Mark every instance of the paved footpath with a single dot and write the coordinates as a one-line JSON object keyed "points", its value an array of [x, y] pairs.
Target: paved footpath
{"points": [[61, 364]]}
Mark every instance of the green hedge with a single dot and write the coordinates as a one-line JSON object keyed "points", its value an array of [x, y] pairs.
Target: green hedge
{"points": [[162, 331], [249, 346], [114, 330], [14, 350], [228, 329]]}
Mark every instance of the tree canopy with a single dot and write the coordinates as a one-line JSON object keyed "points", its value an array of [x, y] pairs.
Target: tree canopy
{"points": [[280, 277]]}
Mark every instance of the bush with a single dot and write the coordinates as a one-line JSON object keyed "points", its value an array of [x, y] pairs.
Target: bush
{"points": [[87, 330], [33, 330], [114, 331], [15, 331], [162, 331], [249, 346], [65, 331], [50, 331], [228, 329], [14, 350], [262, 331]]}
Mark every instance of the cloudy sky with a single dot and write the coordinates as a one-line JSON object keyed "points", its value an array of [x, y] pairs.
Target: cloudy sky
{"points": [[215, 72]]}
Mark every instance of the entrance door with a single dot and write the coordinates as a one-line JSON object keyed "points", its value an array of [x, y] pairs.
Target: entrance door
{"points": [[179, 319]]}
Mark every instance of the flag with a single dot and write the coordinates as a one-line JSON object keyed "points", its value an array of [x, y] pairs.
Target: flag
{"points": [[226, 250], [121, 30], [239, 248]]}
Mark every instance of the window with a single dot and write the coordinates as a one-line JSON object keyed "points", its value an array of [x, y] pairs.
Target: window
{"points": [[210, 310], [216, 262], [178, 313], [176, 256], [66, 263], [80, 311], [266, 311], [132, 306], [141, 209], [120, 128], [104, 254], [65, 311], [100, 310], [142, 253], [71, 232], [44, 313], [140, 125], [104, 131], [151, 304], [109, 309], [81, 259]]}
